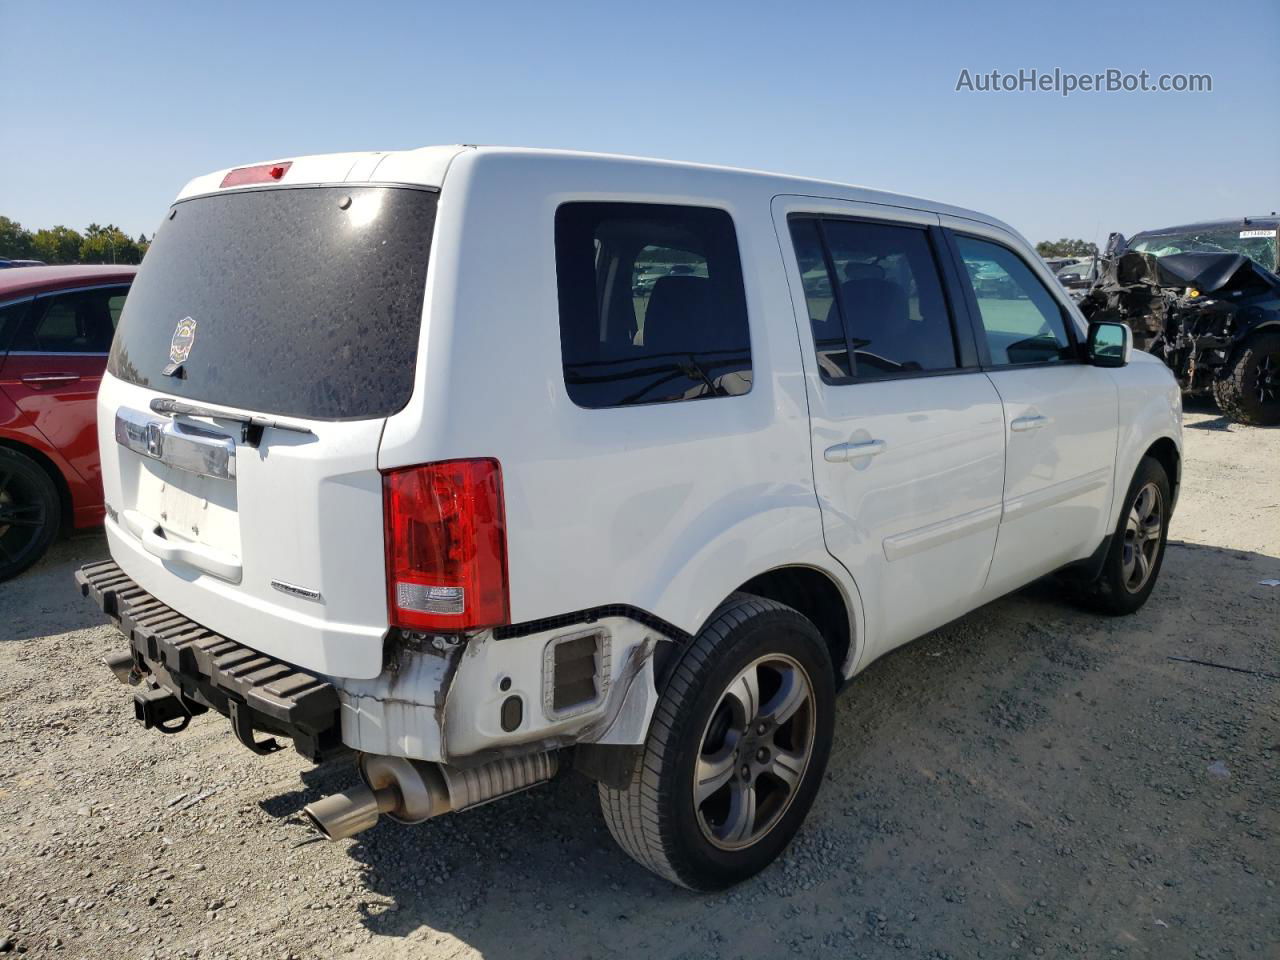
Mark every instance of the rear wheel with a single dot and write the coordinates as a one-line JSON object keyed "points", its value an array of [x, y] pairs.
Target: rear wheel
{"points": [[30, 512], [736, 750], [1137, 548], [1250, 392]]}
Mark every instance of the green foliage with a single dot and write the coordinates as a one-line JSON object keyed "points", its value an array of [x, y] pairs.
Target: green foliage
{"points": [[108, 244], [60, 244], [1066, 248], [15, 240]]}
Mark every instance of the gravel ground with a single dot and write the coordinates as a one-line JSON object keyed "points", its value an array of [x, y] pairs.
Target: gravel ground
{"points": [[1029, 781]]}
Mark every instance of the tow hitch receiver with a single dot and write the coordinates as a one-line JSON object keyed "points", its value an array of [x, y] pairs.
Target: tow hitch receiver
{"points": [[157, 707]]}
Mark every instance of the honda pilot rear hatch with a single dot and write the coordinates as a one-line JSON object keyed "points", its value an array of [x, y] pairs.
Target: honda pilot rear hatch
{"points": [[269, 334]]}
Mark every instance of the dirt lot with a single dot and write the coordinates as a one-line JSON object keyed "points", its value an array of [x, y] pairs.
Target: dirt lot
{"points": [[1030, 781]]}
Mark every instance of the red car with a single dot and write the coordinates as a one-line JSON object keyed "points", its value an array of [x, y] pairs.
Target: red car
{"points": [[56, 325]]}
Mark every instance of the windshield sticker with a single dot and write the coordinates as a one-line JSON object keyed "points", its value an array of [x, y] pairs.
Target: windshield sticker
{"points": [[1250, 234], [184, 335]]}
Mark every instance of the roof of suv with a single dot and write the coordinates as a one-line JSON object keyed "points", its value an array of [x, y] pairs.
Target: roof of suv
{"points": [[18, 281], [429, 166], [1269, 222]]}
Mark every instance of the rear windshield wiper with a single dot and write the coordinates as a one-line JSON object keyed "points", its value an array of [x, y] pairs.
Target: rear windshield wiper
{"points": [[251, 428]]}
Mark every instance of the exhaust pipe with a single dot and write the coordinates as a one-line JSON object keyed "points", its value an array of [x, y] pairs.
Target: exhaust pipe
{"points": [[122, 665], [346, 814], [411, 791]]}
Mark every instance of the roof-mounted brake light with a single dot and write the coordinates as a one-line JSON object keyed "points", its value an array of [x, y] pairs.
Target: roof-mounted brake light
{"points": [[262, 173]]}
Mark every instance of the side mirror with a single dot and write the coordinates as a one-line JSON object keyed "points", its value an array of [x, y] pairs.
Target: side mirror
{"points": [[1110, 344]]}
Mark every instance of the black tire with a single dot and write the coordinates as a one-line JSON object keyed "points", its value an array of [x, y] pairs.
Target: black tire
{"points": [[1250, 391], [30, 512], [1114, 591], [656, 819]]}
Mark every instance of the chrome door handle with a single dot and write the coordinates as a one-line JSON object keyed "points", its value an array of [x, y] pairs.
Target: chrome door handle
{"points": [[844, 452], [40, 379], [1023, 424]]}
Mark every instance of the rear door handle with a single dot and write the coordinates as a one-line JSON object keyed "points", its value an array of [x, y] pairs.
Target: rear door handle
{"points": [[48, 379], [844, 452], [1023, 424]]}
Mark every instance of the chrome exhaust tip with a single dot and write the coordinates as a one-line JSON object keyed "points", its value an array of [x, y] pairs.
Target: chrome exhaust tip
{"points": [[347, 813], [406, 790], [121, 664]]}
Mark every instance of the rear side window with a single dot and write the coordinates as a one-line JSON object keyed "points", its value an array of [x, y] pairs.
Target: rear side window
{"points": [[10, 317], [301, 301], [652, 308], [79, 321], [875, 299], [1022, 321]]}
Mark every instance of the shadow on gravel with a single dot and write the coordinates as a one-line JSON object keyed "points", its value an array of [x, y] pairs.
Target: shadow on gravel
{"points": [[1218, 424], [44, 601], [318, 782], [1030, 778]]}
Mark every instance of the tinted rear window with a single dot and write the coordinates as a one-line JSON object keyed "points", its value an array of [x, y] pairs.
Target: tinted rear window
{"points": [[303, 301], [652, 307]]}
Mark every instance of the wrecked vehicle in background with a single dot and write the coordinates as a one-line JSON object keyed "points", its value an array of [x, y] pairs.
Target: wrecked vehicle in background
{"points": [[1077, 276], [1205, 299]]}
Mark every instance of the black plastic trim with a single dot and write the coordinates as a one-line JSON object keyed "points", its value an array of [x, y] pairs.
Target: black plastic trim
{"points": [[204, 669], [591, 615]]}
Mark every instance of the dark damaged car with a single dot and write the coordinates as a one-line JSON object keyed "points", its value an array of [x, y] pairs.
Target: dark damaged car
{"points": [[1204, 298]]}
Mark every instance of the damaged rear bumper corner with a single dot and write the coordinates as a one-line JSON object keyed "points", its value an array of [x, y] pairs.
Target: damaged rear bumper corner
{"points": [[491, 696]]}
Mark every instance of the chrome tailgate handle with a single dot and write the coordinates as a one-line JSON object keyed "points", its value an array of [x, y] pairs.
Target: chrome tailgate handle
{"points": [[181, 447], [155, 542], [845, 452]]}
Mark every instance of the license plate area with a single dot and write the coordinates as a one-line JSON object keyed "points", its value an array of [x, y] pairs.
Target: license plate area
{"points": [[200, 510]]}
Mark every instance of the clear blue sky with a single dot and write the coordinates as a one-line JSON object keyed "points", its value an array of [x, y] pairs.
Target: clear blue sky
{"points": [[110, 107]]}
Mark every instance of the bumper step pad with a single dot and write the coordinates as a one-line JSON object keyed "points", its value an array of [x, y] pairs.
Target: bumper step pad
{"points": [[214, 671]]}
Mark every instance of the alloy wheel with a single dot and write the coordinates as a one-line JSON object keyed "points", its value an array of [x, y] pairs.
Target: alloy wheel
{"points": [[22, 517], [754, 752], [1269, 378], [1143, 536]]}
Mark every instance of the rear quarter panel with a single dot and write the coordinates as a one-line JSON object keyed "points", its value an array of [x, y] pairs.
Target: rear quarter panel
{"points": [[667, 507]]}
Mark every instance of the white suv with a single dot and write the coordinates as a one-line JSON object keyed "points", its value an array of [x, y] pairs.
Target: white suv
{"points": [[401, 459]]}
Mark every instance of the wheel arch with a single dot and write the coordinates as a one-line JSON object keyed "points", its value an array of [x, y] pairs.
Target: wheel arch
{"points": [[821, 599], [1269, 325], [1165, 452]]}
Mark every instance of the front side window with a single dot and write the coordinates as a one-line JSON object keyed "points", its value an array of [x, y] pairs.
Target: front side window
{"points": [[79, 321], [652, 307], [874, 294], [1022, 320]]}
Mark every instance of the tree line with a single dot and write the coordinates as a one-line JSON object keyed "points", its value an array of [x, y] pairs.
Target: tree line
{"points": [[110, 244], [98, 244], [1066, 248]]}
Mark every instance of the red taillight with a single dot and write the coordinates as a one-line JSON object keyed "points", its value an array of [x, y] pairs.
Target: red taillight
{"points": [[446, 542], [262, 173]]}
